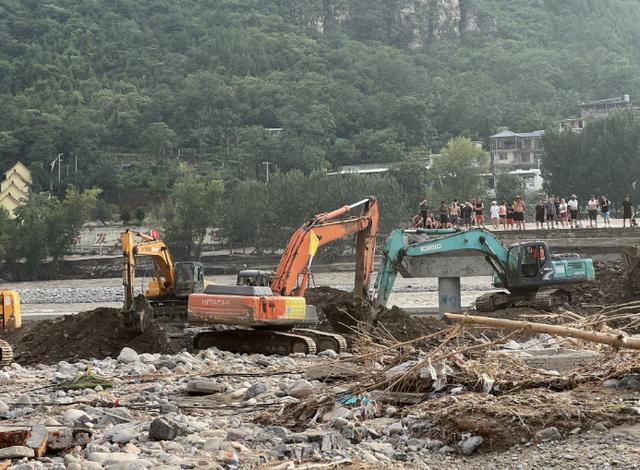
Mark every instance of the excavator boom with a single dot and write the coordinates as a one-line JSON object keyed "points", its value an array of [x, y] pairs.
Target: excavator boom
{"points": [[292, 274]]}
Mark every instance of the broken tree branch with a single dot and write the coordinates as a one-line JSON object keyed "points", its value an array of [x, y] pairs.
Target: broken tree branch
{"points": [[617, 341]]}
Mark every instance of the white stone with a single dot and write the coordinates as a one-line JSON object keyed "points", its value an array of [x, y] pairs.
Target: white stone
{"points": [[98, 457], [114, 459], [128, 355], [74, 416], [121, 433], [16, 452]]}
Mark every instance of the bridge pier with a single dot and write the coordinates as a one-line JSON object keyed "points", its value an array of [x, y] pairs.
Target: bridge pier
{"points": [[449, 295]]}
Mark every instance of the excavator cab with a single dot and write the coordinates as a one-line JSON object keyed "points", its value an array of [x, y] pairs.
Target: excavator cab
{"points": [[189, 278], [529, 265], [255, 278]]}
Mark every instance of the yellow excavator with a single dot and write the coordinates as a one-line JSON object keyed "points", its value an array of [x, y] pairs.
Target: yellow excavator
{"points": [[11, 320], [166, 292]]}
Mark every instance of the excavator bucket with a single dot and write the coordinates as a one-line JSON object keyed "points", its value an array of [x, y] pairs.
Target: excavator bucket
{"points": [[138, 317], [631, 258]]}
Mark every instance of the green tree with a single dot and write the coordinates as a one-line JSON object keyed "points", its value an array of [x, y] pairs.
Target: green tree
{"points": [[457, 170], [158, 139], [46, 227], [243, 214], [193, 206], [508, 187]]}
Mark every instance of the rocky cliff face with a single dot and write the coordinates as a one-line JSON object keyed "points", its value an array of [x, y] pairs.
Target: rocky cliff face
{"points": [[410, 23]]}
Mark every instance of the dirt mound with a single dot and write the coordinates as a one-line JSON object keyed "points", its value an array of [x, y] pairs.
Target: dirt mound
{"points": [[92, 334], [341, 311], [612, 285]]}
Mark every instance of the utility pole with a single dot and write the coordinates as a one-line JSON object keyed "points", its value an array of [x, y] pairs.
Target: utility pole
{"points": [[59, 170], [53, 165], [75, 180], [266, 164]]}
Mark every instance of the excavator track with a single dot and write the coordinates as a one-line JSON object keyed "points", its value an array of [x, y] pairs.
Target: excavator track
{"points": [[253, 341], [493, 301], [546, 299], [550, 299], [324, 340], [6, 353]]}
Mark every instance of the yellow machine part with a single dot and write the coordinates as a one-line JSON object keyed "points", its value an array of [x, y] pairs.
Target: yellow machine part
{"points": [[296, 308], [10, 309]]}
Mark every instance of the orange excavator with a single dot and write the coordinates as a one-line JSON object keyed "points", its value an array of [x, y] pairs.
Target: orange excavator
{"points": [[267, 312], [171, 284]]}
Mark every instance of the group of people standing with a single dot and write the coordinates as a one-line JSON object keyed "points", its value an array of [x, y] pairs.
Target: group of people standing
{"points": [[470, 213], [554, 212]]}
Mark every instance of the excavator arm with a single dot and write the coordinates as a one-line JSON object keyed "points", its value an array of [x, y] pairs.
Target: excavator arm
{"points": [[163, 268], [451, 240], [292, 274]]}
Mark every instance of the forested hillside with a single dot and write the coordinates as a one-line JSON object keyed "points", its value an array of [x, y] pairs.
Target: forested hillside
{"points": [[133, 87]]}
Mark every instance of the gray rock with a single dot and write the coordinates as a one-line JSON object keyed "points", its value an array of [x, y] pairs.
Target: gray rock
{"points": [[16, 452], [90, 466], [631, 381], [4, 408], [98, 457], [73, 416], [214, 444], [469, 445], [204, 387], [300, 389], [167, 408], [120, 458], [121, 433], [395, 428], [328, 353], [610, 383], [238, 434], [600, 427], [255, 390], [128, 355], [548, 434], [433, 444], [162, 429], [446, 450], [390, 411], [23, 401], [279, 431]]}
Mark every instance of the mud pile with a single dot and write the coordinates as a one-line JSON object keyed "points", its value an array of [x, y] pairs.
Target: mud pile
{"points": [[612, 285], [92, 334], [341, 312]]}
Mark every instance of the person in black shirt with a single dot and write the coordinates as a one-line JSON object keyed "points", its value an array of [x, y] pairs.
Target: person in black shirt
{"points": [[424, 211], [466, 211], [604, 209], [540, 213], [627, 211]]}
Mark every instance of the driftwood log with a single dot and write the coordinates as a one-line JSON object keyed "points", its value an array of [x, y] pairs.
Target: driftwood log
{"points": [[617, 341]]}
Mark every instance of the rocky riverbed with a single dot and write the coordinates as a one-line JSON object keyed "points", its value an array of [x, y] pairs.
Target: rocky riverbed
{"points": [[208, 411]]}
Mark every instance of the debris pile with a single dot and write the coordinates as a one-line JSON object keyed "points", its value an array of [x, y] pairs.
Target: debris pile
{"points": [[86, 335], [613, 284], [345, 313]]}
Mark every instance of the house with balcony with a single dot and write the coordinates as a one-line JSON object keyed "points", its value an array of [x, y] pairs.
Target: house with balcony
{"points": [[516, 151], [596, 110]]}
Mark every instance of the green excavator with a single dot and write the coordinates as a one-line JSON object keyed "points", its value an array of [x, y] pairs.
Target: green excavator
{"points": [[528, 272]]}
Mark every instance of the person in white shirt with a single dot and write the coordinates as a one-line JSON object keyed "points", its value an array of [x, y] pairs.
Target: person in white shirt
{"points": [[494, 212], [592, 207], [573, 211], [564, 212]]}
